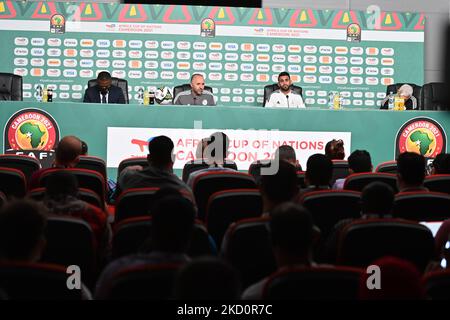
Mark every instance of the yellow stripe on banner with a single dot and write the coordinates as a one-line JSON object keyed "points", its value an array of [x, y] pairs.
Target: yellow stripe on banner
{"points": [[88, 10], [133, 11], [346, 18], [388, 19], [221, 14], [260, 15], [43, 8], [2, 7], [303, 16]]}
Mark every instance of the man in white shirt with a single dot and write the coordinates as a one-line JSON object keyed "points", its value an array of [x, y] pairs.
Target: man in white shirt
{"points": [[285, 97]]}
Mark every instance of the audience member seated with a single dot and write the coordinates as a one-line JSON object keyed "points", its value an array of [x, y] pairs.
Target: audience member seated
{"points": [[61, 198], [400, 280], [172, 225], [197, 95], [404, 92], [287, 153], [359, 161], [334, 149], [441, 164], [159, 172], [214, 155], [22, 231], [207, 278], [377, 200], [22, 234], [67, 152], [104, 91], [319, 171], [410, 172], [291, 234], [278, 187]]}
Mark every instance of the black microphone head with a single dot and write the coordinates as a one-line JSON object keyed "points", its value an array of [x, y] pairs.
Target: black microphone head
{"points": [[287, 96]]}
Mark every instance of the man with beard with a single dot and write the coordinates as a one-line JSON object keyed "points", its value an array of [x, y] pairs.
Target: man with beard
{"points": [[285, 97]]}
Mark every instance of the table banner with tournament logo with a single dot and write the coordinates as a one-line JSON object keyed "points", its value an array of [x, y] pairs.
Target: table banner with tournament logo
{"points": [[245, 146], [63, 45]]}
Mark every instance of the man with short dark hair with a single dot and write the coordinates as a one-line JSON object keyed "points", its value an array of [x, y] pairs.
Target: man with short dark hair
{"points": [[159, 172], [359, 161], [411, 172], [284, 97], [319, 171], [172, 226], [287, 153], [279, 187], [292, 238], [104, 91], [214, 155], [197, 95], [377, 201]]}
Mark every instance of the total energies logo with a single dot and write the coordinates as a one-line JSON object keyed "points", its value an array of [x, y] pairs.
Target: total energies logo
{"points": [[32, 132], [421, 135]]}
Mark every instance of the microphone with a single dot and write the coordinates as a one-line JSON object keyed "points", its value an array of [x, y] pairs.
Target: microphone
{"points": [[287, 98], [195, 100]]}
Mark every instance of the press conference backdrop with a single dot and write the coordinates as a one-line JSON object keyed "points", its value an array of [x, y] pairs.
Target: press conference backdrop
{"points": [[239, 51]]}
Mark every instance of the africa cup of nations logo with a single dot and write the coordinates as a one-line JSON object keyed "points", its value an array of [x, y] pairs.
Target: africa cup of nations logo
{"points": [[32, 132], [421, 135]]}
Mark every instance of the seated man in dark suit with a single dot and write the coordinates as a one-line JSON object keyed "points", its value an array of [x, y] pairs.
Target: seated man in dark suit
{"points": [[104, 92]]}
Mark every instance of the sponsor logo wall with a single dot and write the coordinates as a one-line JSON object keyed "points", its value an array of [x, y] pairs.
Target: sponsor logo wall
{"points": [[157, 46]]}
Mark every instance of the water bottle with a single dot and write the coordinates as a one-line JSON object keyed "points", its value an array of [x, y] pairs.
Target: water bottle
{"points": [[391, 101], [50, 95], [39, 93], [151, 97], [331, 100], [140, 96], [341, 101]]}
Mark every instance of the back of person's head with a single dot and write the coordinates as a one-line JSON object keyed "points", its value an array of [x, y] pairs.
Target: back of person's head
{"points": [[67, 151], [441, 164], [286, 153], [160, 151], [104, 75], [207, 278], [60, 185], [291, 229], [411, 168], [319, 170], [399, 280], [22, 229], [217, 147], [172, 224], [282, 185], [334, 149], [360, 161], [377, 198]]}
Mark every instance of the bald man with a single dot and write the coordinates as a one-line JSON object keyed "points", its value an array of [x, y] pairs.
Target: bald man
{"points": [[197, 95], [67, 152]]}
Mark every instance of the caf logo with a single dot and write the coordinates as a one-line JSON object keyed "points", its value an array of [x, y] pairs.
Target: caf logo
{"points": [[32, 132], [421, 135]]}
